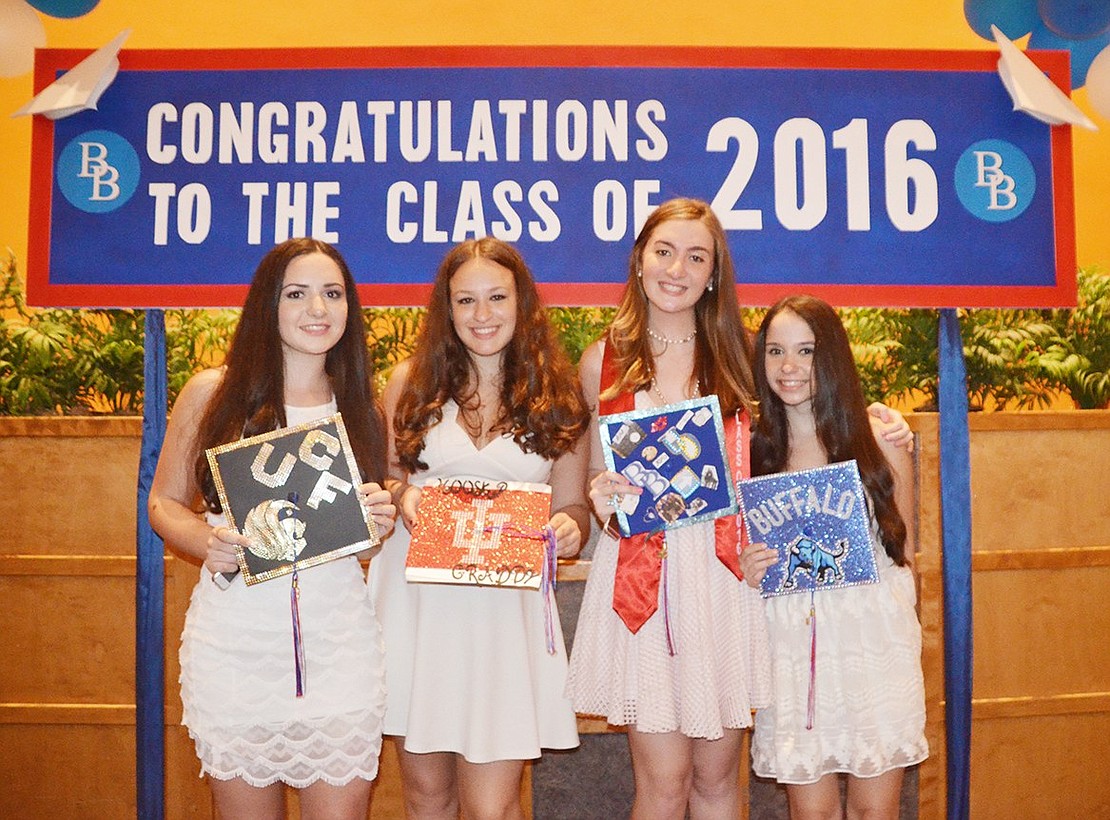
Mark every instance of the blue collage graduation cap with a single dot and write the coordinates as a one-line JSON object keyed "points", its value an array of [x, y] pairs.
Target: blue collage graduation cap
{"points": [[676, 453]]}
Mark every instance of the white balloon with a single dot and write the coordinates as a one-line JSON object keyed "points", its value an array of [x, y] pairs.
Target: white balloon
{"points": [[1098, 83], [21, 32]]}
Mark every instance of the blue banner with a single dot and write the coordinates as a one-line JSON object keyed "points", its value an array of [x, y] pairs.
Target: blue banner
{"points": [[870, 178]]}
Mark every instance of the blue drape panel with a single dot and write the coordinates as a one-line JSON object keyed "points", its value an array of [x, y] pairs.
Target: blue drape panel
{"points": [[955, 492], [150, 593]]}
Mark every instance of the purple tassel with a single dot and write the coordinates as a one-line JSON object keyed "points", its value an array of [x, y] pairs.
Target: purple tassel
{"points": [[811, 705], [547, 587], [298, 642], [548, 572]]}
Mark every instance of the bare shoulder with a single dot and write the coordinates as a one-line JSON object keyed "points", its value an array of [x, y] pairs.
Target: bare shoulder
{"points": [[198, 391], [395, 384], [398, 376], [589, 366]]}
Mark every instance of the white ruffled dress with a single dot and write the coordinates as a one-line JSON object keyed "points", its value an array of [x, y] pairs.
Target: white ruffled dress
{"points": [[238, 684], [869, 715]]}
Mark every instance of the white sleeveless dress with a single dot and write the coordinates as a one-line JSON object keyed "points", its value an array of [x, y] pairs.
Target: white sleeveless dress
{"points": [[467, 668], [870, 692], [237, 674], [720, 667]]}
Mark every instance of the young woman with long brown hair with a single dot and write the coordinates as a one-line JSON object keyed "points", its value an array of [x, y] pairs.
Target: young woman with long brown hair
{"points": [[670, 642], [488, 394], [298, 354], [868, 716]]}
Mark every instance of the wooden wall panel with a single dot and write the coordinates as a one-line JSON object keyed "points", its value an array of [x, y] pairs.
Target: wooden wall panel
{"points": [[1042, 486], [1041, 767], [74, 639], [76, 480], [1041, 560], [1041, 633], [67, 771], [930, 610]]}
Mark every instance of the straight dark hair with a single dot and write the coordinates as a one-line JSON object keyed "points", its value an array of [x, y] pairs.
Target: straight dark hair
{"points": [[250, 398], [840, 412]]}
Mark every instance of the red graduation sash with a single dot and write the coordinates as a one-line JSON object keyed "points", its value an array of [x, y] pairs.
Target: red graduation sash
{"points": [[640, 557]]}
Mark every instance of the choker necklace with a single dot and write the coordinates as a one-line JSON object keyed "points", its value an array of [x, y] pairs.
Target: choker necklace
{"points": [[659, 337]]}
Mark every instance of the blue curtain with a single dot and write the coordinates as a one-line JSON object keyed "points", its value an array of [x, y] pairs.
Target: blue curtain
{"points": [[150, 593], [955, 484]]}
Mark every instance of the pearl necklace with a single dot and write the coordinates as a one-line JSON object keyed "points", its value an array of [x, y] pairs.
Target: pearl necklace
{"points": [[659, 337]]}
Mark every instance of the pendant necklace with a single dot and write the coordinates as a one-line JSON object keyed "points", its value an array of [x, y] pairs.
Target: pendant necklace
{"points": [[663, 400]]}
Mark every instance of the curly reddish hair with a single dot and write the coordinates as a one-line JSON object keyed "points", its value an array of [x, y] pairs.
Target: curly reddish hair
{"points": [[542, 406]]}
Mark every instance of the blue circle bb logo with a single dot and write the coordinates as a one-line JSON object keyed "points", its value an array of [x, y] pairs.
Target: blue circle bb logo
{"points": [[98, 171], [995, 180]]}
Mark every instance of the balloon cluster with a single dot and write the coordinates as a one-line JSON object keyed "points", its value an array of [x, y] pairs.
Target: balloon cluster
{"points": [[1081, 27], [21, 30]]}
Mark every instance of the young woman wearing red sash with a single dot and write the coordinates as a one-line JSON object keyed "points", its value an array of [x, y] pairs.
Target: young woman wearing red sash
{"points": [[670, 642]]}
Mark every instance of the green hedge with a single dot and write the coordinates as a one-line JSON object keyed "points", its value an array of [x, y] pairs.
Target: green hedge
{"points": [[55, 361]]}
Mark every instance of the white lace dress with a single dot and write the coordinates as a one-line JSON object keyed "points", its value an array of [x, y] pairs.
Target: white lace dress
{"points": [[467, 668], [720, 669], [870, 693], [237, 674]]}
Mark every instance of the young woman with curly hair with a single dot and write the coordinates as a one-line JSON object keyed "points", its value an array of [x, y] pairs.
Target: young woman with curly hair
{"points": [[489, 394]]}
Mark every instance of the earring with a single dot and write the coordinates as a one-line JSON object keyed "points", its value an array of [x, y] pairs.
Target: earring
{"points": [[709, 287], [640, 273]]}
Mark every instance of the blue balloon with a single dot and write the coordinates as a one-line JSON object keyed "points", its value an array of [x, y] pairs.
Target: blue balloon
{"points": [[64, 8], [1076, 19], [1014, 18], [1083, 52]]}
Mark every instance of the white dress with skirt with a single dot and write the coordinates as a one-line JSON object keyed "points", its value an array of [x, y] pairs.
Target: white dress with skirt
{"points": [[467, 668], [238, 682], [720, 668], [869, 715]]}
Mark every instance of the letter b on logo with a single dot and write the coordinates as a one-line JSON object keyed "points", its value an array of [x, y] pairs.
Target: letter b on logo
{"points": [[98, 171], [995, 180]]}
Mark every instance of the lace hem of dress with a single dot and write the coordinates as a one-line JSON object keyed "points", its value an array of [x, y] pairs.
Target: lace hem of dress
{"points": [[297, 753], [803, 772]]}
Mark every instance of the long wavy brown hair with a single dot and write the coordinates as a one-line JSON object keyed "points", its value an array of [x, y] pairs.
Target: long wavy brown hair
{"points": [[840, 411], [722, 347], [542, 405], [250, 398]]}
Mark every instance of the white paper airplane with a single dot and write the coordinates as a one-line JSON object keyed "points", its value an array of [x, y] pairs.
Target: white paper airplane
{"points": [[80, 88], [1032, 91]]}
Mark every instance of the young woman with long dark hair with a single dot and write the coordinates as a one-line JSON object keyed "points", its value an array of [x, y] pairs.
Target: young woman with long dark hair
{"points": [[868, 717], [298, 354]]}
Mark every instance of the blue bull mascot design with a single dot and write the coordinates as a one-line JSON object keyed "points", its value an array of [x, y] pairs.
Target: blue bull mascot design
{"points": [[809, 555]]}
